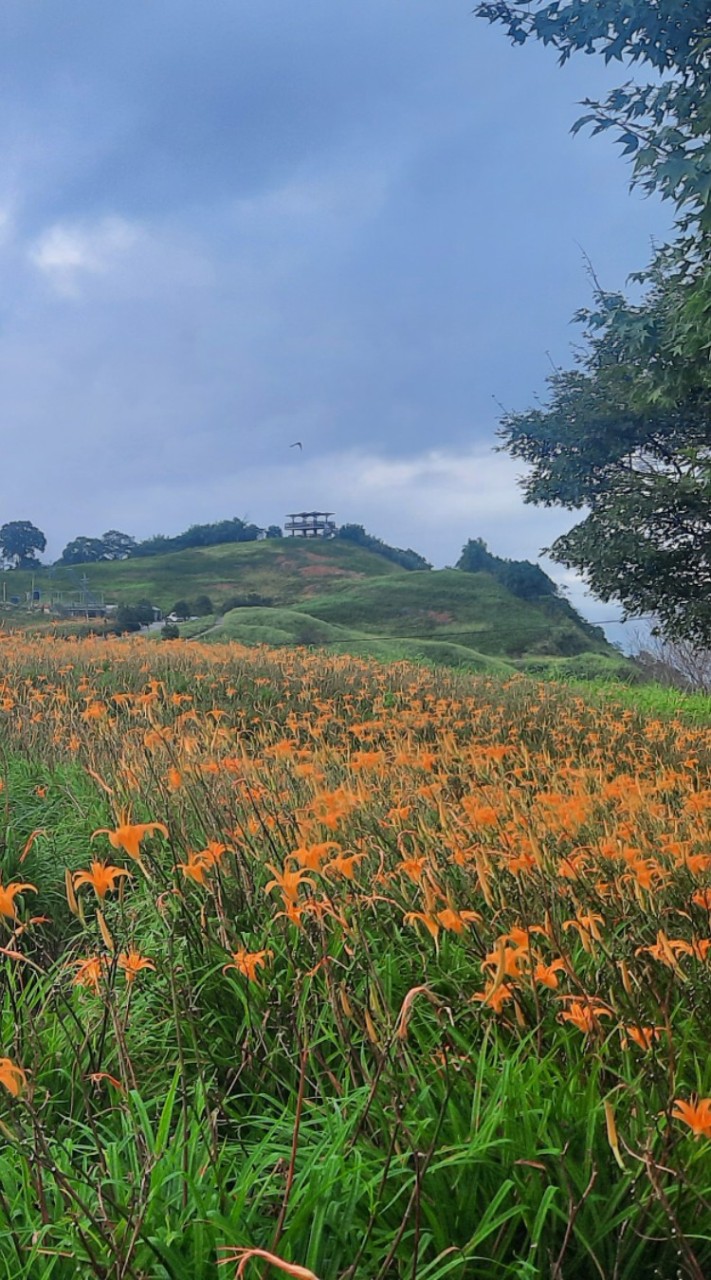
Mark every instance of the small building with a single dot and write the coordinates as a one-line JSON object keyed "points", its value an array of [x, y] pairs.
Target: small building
{"points": [[310, 524], [78, 604]]}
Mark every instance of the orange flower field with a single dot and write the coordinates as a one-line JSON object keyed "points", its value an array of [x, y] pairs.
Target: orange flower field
{"points": [[322, 968]]}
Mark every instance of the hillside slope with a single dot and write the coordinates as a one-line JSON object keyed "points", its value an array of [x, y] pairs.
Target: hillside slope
{"points": [[338, 595], [470, 609], [284, 570]]}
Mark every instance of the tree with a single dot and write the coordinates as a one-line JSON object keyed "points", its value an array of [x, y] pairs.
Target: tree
{"points": [[476, 557], [19, 540], [626, 435], [182, 610], [522, 578], [639, 464], [665, 126], [406, 558], [131, 617], [117, 545], [274, 531], [82, 551], [675, 662]]}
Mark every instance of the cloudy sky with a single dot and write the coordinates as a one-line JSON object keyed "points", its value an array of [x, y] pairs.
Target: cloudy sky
{"points": [[228, 226]]}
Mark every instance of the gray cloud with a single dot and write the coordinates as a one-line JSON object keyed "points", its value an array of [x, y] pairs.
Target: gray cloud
{"points": [[223, 228]]}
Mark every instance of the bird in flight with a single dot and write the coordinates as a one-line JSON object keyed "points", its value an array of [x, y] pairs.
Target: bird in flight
{"points": [[297, 445]]}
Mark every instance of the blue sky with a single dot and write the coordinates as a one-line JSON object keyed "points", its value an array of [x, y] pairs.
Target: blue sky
{"points": [[229, 226]]}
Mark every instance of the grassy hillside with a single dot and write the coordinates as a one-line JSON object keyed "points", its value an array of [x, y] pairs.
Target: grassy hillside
{"points": [[285, 570], [276, 627], [467, 609], [338, 595]]}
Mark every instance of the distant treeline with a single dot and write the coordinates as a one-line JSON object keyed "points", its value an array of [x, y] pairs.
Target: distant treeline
{"points": [[121, 546], [205, 535], [407, 559], [522, 578]]}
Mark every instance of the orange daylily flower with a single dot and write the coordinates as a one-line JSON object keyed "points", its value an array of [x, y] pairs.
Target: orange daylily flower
{"points": [[248, 962], [696, 1114], [312, 855], [101, 877], [288, 881], [643, 1037], [343, 865], [197, 866], [13, 1077], [128, 836], [8, 893], [495, 995], [430, 922], [546, 973], [456, 921], [585, 1015], [89, 972], [132, 962]]}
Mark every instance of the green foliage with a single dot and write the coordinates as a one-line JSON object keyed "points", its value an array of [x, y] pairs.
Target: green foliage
{"points": [[169, 631], [199, 535], [117, 545], [458, 608], [131, 617], [640, 465], [406, 559], [19, 540], [664, 126], [251, 600], [82, 551], [522, 578], [626, 434], [113, 545], [182, 609]]}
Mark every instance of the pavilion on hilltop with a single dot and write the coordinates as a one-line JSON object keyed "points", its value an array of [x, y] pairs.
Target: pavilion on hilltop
{"points": [[310, 524]]}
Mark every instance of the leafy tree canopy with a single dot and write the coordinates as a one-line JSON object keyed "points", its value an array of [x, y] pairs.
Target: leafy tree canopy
{"points": [[83, 551], [117, 545], [626, 435], [522, 578], [637, 461], [19, 540], [664, 126], [199, 535], [406, 558]]}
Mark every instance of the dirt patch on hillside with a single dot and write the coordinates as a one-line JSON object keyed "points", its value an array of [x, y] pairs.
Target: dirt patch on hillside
{"points": [[327, 571], [439, 616]]}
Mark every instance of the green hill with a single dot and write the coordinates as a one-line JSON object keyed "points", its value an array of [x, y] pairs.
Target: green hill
{"points": [[470, 609], [284, 570], [341, 596]]}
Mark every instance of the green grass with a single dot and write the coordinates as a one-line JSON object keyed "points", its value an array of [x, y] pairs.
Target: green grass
{"points": [[656, 700], [279, 627], [458, 608], [197, 1111], [281, 569], [337, 595]]}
